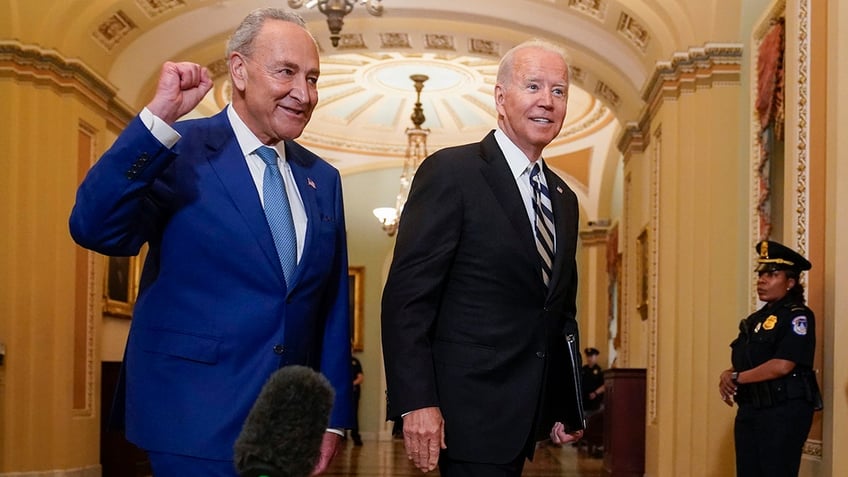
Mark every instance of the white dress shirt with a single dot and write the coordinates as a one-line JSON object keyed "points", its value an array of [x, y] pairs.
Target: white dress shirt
{"points": [[520, 166], [248, 142]]}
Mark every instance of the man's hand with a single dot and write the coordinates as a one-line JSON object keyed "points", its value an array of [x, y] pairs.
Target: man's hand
{"points": [[424, 437], [560, 437], [329, 449], [181, 87]]}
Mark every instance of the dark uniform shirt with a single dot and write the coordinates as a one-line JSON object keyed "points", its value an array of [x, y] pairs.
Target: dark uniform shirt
{"points": [[355, 370], [593, 378], [783, 330], [774, 417]]}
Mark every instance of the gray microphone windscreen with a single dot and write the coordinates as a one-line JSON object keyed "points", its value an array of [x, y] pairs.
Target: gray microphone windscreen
{"points": [[282, 434]]}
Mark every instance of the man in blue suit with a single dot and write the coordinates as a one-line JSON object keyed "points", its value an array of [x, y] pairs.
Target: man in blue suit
{"points": [[216, 315]]}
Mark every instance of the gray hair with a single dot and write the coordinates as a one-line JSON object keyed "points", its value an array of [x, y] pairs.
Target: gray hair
{"points": [[508, 60], [242, 39]]}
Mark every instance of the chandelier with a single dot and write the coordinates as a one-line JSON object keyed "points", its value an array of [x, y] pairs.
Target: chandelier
{"points": [[416, 151], [336, 10]]}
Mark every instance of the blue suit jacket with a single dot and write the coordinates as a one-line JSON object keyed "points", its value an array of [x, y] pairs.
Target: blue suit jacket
{"points": [[214, 316]]}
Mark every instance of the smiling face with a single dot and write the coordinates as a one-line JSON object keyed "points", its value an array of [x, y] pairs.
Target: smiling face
{"points": [[532, 98], [275, 89], [773, 285]]}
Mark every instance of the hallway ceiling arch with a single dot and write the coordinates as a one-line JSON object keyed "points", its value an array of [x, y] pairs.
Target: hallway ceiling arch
{"points": [[366, 95]]}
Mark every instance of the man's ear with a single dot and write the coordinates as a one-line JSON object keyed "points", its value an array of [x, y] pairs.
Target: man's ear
{"points": [[499, 93], [500, 98], [238, 71]]}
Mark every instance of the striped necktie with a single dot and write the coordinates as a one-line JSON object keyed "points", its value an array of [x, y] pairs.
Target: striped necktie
{"points": [[544, 224], [278, 212]]}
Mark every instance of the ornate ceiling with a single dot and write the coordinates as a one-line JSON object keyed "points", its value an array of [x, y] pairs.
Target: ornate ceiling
{"points": [[366, 100], [366, 96]]}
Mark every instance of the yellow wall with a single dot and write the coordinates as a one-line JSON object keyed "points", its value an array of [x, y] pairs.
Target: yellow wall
{"points": [[684, 191], [39, 277], [835, 381]]}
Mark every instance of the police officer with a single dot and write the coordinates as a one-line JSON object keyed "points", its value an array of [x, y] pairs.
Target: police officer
{"points": [[772, 378], [593, 382]]}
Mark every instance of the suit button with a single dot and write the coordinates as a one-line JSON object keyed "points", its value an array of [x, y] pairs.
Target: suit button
{"points": [[540, 354], [278, 349]]}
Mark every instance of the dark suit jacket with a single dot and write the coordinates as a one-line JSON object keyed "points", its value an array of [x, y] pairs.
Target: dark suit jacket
{"points": [[214, 317], [468, 324]]}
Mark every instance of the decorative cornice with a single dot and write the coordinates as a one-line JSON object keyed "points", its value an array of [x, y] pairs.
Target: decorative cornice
{"points": [[33, 63], [634, 139], [594, 236], [698, 68], [714, 63]]}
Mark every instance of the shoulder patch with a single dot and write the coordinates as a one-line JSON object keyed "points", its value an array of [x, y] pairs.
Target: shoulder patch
{"points": [[799, 325]]}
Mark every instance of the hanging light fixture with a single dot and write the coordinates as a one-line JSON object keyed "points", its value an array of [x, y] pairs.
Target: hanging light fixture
{"points": [[416, 151], [336, 10]]}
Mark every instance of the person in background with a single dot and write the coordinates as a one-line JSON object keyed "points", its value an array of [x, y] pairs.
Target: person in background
{"points": [[772, 378], [593, 382], [358, 377], [247, 267], [478, 319]]}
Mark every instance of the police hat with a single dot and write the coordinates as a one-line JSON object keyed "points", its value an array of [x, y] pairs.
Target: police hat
{"points": [[775, 256], [591, 351]]}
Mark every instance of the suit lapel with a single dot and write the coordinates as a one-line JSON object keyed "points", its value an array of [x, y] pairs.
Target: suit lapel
{"points": [[226, 158], [557, 190], [307, 187], [500, 180]]}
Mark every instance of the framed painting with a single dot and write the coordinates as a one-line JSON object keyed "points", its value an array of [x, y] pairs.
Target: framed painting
{"points": [[356, 279], [121, 285]]}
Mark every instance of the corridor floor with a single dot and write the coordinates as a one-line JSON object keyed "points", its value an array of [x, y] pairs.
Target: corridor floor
{"points": [[387, 459]]}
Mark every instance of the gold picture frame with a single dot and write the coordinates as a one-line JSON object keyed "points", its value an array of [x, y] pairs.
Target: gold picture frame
{"points": [[356, 281], [120, 288]]}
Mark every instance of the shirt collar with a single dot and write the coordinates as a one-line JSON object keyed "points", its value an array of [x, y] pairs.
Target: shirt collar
{"points": [[248, 142], [515, 159]]}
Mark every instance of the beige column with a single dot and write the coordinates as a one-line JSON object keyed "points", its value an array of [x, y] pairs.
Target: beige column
{"points": [[835, 380], [55, 116], [593, 295], [685, 256]]}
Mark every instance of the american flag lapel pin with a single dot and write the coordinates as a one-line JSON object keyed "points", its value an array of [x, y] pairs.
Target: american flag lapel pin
{"points": [[311, 183], [559, 189]]}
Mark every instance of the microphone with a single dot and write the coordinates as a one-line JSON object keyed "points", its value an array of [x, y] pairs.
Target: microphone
{"points": [[282, 434]]}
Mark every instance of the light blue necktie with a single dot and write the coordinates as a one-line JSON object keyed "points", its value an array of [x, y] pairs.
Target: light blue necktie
{"points": [[278, 212], [544, 225]]}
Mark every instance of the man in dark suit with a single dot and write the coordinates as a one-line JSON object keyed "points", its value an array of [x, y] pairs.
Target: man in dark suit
{"points": [[219, 309], [479, 329]]}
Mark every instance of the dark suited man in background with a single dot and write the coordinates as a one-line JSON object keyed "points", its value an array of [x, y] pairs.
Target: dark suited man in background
{"points": [[234, 287], [479, 305]]}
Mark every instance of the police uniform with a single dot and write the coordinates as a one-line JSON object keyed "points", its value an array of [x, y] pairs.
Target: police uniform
{"points": [[593, 378], [774, 417]]}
